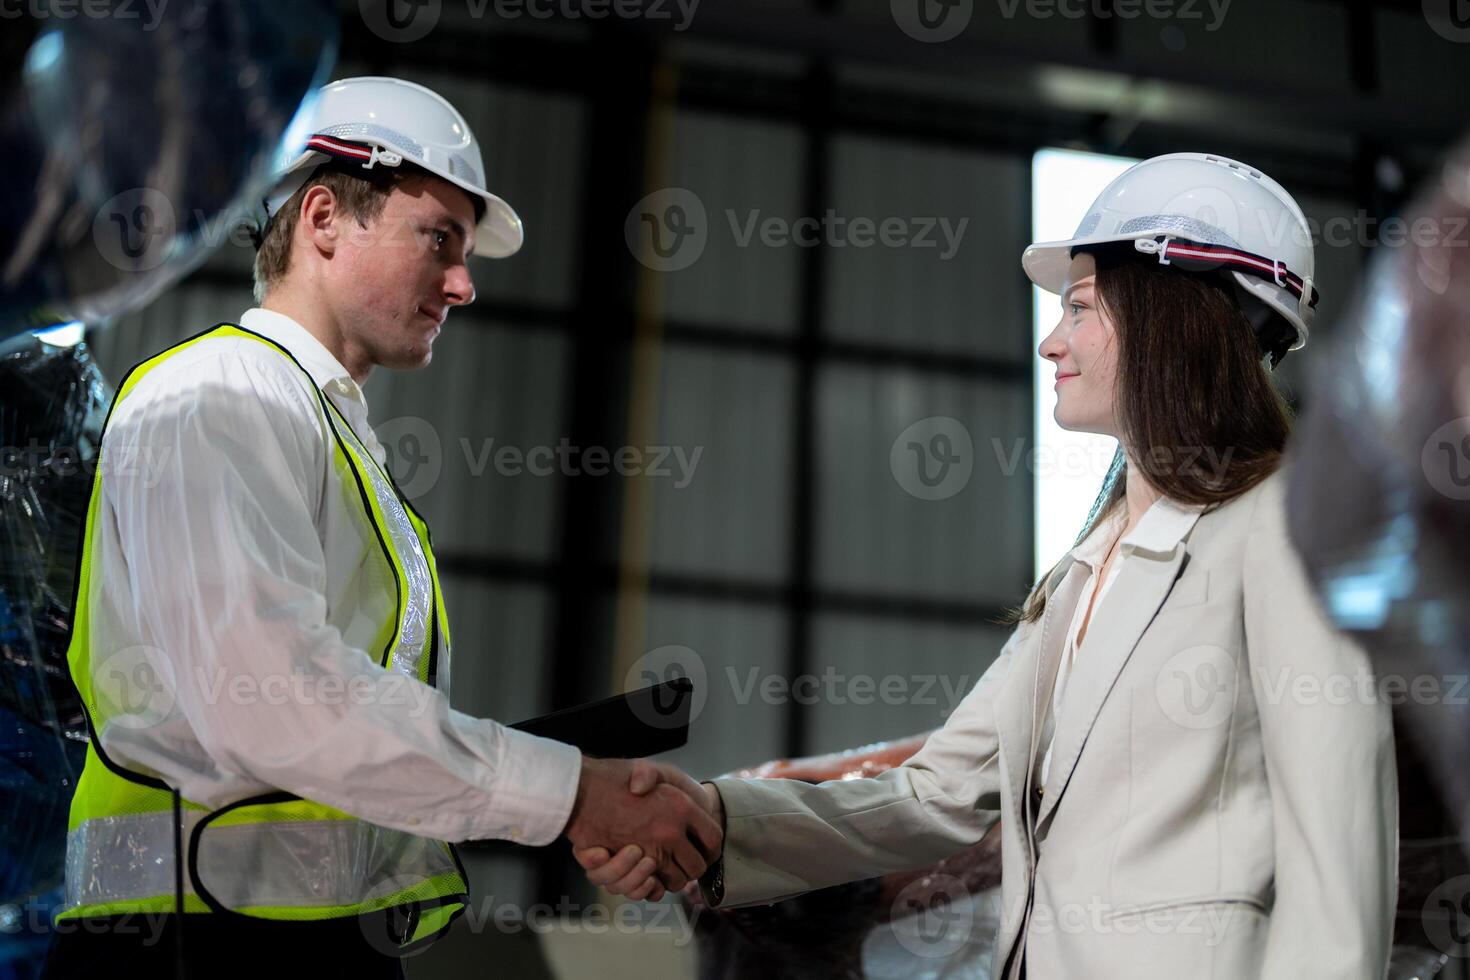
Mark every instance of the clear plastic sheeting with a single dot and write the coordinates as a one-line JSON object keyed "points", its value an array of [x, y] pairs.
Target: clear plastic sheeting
{"points": [[1379, 508], [937, 922], [51, 413], [134, 141]]}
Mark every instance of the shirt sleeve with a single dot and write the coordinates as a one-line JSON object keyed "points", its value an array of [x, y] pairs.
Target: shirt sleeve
{"points": [[1330, 768], [227, 578]]}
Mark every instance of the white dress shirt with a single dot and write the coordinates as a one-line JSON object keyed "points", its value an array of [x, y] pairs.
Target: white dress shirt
{"points": [[232, 566], [1160, 528]]}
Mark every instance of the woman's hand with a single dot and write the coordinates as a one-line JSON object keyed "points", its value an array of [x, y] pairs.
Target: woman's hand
{"points": [[628, 872]]}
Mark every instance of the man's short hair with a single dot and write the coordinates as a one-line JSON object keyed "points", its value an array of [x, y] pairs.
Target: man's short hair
{"points": [[361, 193]]}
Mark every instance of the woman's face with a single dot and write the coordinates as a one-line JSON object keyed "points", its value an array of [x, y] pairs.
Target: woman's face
{"points": [[1082, 347]]}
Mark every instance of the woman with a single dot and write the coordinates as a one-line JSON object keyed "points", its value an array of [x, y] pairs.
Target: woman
{"points": [[1193, 771]]}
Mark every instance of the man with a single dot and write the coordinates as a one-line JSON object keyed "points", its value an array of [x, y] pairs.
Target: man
{"points": [[259, 617]]}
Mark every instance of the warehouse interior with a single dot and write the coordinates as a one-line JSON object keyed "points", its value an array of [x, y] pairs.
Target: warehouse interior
{"points": [[763, 540]]}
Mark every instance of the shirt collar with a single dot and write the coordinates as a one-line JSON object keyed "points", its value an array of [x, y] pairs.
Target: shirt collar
{"points": [[1160, 529], [325, 370]]}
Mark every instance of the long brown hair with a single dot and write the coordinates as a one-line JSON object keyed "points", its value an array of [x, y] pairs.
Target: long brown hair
{"points": [[1193, 397]]}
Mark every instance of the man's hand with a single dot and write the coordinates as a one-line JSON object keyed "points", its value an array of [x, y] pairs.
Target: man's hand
{"points": [[630, 873], [656, 815]]}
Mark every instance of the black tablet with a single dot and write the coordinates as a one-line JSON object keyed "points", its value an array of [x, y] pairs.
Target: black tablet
{"points": [[625, 726]]}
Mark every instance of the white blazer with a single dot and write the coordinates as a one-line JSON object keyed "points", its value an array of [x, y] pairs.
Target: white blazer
{"points": [[1222, 798]]}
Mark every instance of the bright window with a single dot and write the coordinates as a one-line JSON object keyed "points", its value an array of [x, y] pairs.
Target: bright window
{"points": [[1069, 466]]}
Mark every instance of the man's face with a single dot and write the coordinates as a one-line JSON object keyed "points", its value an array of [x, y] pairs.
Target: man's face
{"points": [[393, 282]]}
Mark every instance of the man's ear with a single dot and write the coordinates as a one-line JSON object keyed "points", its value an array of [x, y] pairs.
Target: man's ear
{"points": [[320, 218]]}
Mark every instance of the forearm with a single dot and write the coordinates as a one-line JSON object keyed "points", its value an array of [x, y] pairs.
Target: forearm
{"points": [[784, 837]]}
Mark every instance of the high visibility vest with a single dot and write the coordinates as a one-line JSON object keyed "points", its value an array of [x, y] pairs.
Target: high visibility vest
{"points": [[274, 856]]}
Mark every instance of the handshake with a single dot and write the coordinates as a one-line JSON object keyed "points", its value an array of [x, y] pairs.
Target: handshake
{"points": [[640, 828]]}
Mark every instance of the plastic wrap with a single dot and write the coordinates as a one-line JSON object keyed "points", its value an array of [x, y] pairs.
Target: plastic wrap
{"points": [[1385, 446], [52, 404], [936, 922], [132, 138]]}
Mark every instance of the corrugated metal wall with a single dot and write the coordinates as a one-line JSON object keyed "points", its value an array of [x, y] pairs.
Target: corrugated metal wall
{"points": [[752, 371]]}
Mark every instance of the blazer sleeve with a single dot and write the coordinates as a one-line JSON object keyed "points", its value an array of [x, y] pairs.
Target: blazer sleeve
{"points": [[1329, 753], [784, 837]]}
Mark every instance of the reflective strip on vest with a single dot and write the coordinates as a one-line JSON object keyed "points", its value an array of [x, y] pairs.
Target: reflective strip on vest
{"points": [[416, 590], [292, 859], [322, 865]]}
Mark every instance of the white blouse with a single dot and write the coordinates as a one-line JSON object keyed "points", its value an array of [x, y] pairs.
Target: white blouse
{"points": [[1160, 528]]}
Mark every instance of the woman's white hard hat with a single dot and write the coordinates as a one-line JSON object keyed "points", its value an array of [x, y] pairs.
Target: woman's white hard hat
{"points": [[1203, 211], [389, 122]]}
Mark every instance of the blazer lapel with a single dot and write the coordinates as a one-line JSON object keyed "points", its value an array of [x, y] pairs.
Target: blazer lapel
{"points": [[1016, 708], [1144, 580]]}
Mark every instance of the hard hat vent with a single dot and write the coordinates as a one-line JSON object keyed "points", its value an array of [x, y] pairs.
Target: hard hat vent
{"points": [[1089, 224], [1180, 224], [462, 169]]}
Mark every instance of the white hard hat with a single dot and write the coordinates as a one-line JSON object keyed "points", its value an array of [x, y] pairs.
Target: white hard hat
{"points": [[1203, 211], [388, 121]]}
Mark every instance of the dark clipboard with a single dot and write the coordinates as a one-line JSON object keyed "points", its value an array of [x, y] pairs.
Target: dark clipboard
{"points": [[625, 726]]}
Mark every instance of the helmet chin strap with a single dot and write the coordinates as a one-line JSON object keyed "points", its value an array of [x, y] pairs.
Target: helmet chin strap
{"points": [[1274, 335], [271, 205]]}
